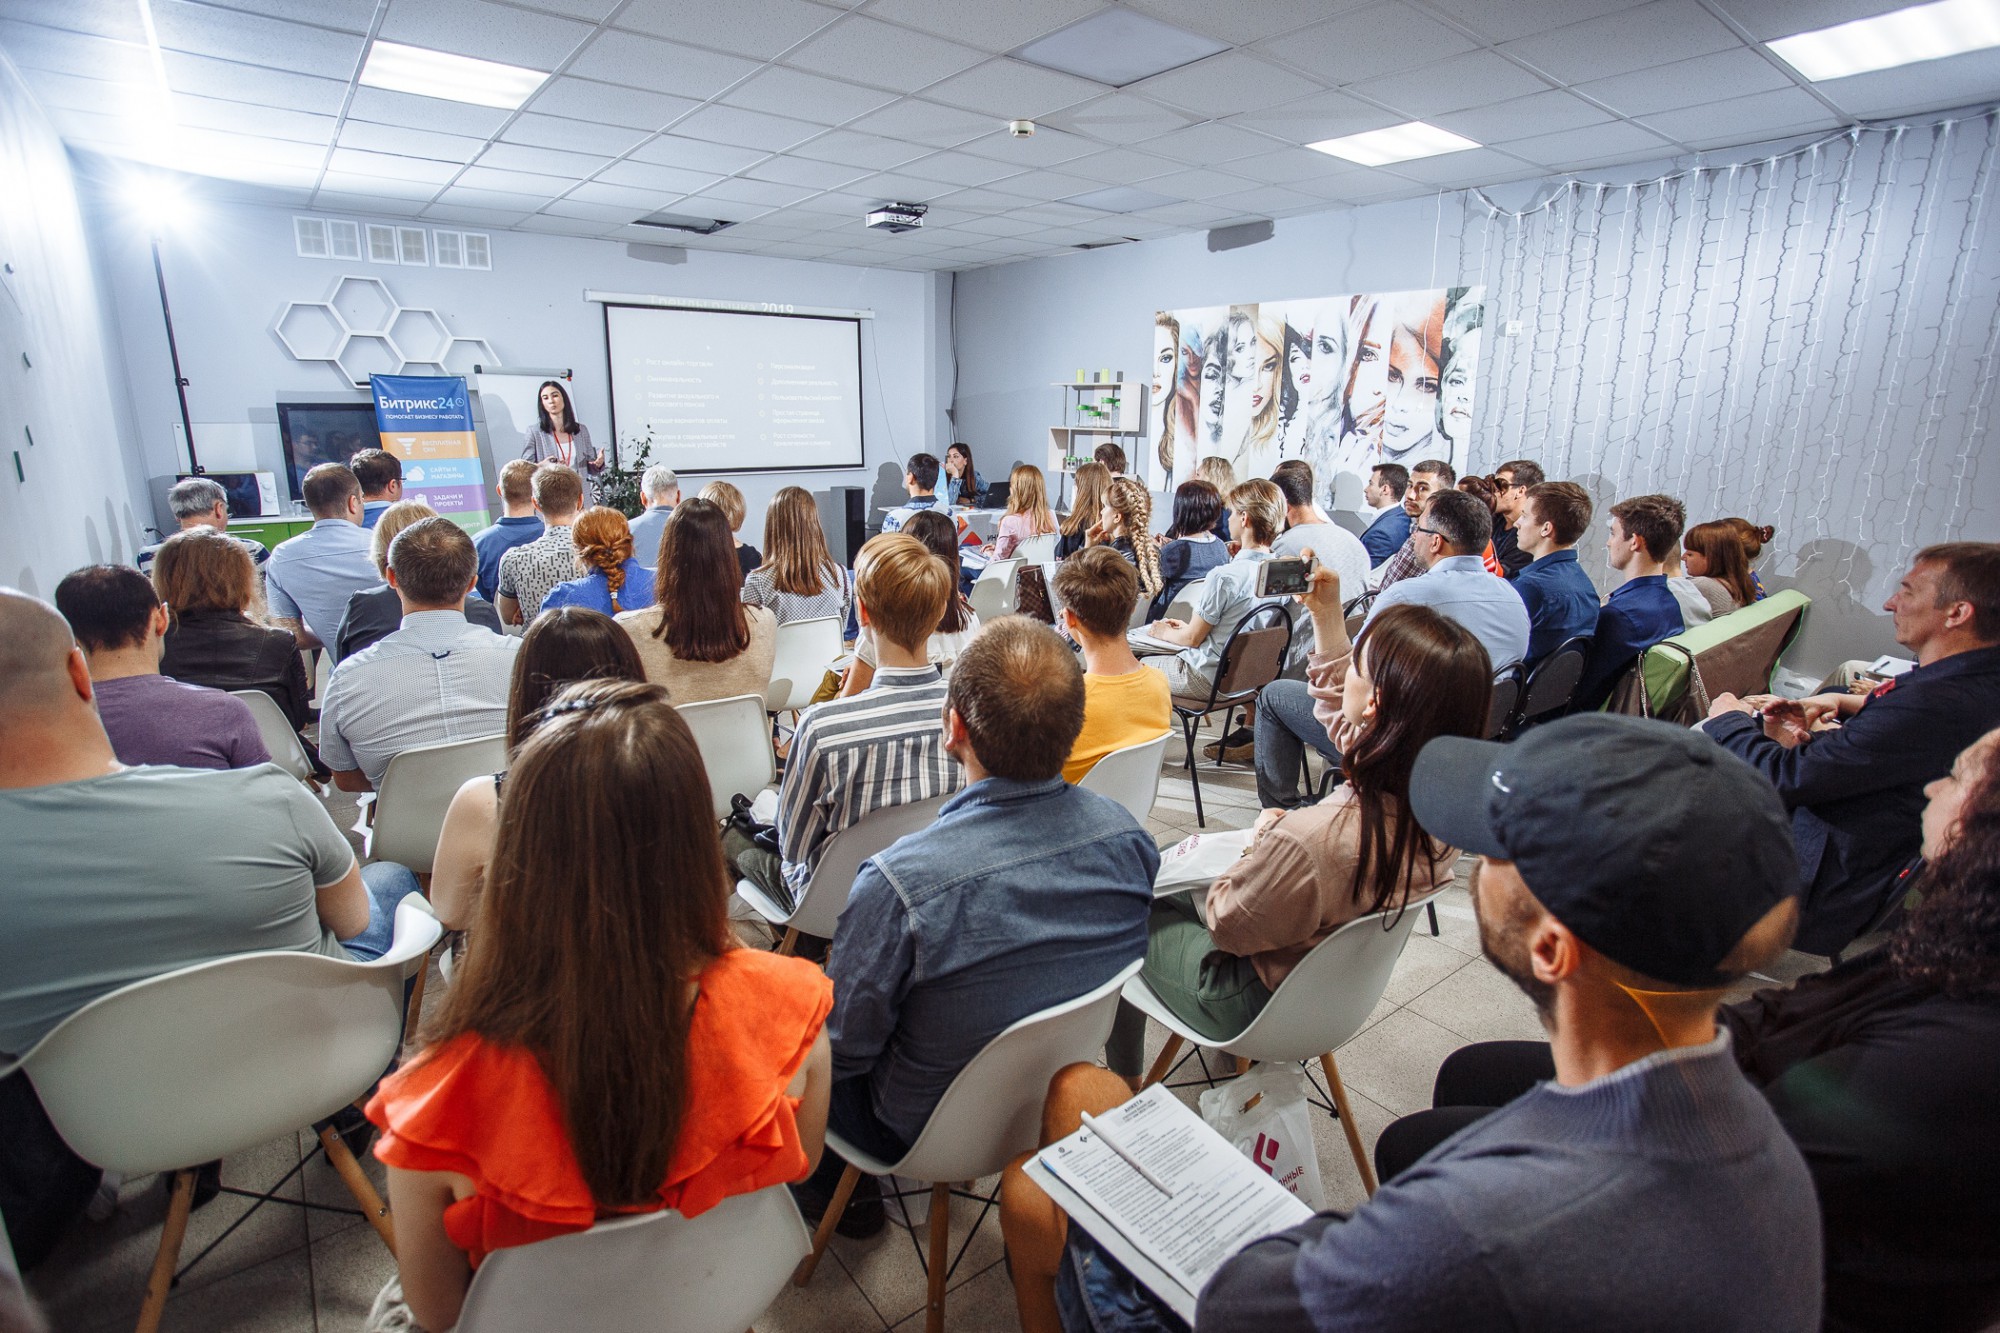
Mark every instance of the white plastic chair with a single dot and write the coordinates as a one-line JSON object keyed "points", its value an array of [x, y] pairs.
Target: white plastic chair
{"points": [[279, 738], [1130, 776], [991, 1113], [215, 1059], [1036, 550], [994, 590], [417, 788], [805, 647], [734, 737], [819, 907], [709, 1274], [1319, 1006]]}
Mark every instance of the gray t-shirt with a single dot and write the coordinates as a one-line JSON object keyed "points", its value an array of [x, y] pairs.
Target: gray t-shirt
{"points": [[115, 879]]}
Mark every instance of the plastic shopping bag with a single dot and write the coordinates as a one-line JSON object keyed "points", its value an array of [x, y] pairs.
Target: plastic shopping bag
{"points": [[1266, 1115], [1198, 859]]}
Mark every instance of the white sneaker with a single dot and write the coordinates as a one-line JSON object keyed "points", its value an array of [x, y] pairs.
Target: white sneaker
{"points": [[390, 1313]]}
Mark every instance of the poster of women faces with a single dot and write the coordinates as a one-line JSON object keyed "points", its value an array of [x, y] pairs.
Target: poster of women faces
{"points": [[1344, 382]]}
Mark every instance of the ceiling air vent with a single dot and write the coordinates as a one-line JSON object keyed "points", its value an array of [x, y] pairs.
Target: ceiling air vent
{"points": [[684, 222], [1099, 245]]}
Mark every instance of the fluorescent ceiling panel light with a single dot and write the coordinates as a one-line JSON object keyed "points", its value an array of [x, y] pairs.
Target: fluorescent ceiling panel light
{"points": [[683, 222], [1398, 143], [413, 69], [1903, 37], [1122, 199], [1118, 46]]}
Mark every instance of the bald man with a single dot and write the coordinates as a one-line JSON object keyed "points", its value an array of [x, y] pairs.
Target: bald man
{"points": [[117, 874]]}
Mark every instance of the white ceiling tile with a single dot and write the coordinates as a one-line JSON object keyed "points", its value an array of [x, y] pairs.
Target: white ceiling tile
{"points": [[1561, 151], [959, 169], [991, 27], [1504, 22], [804, 171], [391, 166], [406, 142], [1932, 85], [475, 217], [1474, 166], [547, 161], [760, 29], [608, 104], [1327, 115], [100, 18], [1013, 90], [1651, 34], [487, 31], [739, 191], [1120, 166], [1686, 83], [997, 226], [836, 204], [254, 40], [672, 150], [650, 176], [544, 225], [527, 184], [1477, 78], [901, 188], [656, 66], [854, 149], [214, 149], [572, 207], [1541, 113], [1182, 215], [1121, 118], [425, 113], [635, 194], [1046, 186], [865, 51], [1370, 43], [1743, 119], [573, 136], [1766, 19], [1243, 23], [787, 92], [1193, 185], [210, 113], [1225, 84], [502, 200], [234, 82], [1046, 149], [744, 129], [920, 122], [1291, 166], [346, 15], [136, 101], [1211, 144], [34, 47], [356, 187]]}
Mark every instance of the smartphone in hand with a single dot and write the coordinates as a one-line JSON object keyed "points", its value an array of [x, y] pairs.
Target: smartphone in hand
{"points": [[1285, 577]]}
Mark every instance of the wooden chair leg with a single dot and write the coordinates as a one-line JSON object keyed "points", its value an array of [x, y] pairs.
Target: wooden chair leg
{"points": [[827, 1222], [940, 1265], [1242, 1064], [1165, 1061], [161, 1280], [1339, 1091], [359, 1186], [790, 944]]}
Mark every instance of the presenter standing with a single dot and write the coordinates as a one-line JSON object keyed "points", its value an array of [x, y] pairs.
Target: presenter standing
{"points": [[557, 438]]}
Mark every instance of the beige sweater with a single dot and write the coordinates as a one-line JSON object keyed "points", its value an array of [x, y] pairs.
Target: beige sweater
{"points": [[749, 672]]}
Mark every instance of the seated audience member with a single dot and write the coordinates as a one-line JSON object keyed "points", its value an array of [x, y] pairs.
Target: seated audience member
{"points": [[1413, 675], [373, 614], [1562, 601], [698, 638], [438, 678], [1482, 490], [1112, 455], [310, 577], [799, 579], [954, 629], [1027, 511], [1228, 595], [1755, 539], [1647, 1159], [1124, 701], [1295, 714], [730, 500], [612, 580], [660, 489], [118, 874], [516, 526], [530, 570], [1191, 548], [197, 502], [1698, 605], [1882, 1071], [1086, 508], [1427, 478], [920, 477], [568, 645], [1026, 892], [1454, 529], [381, 476], [1308, 528], [962, 483], [1217, 472], [209, 588], [1642, 610], [119, 621], [853, 756], [1855, 791], [1713, 555], [1512, 482], [575, 1072], [1387, 483], [1125, 524]]}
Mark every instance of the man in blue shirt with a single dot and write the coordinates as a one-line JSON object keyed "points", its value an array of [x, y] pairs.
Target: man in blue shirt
{"points": [[310, 577], [920, 480], [519, 523], [661, 490], [1640, 611], [1391, 528], [1025, 893], [1561, 600], [381, 476], [1453, 530]]}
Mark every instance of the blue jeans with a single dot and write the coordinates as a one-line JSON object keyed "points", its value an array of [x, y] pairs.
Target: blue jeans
{"points": [[1097, 1294], [1285, 727], [387, 884]]}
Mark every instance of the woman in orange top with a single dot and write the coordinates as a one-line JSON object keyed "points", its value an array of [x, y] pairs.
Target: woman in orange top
{"points": [[549, 1092]]}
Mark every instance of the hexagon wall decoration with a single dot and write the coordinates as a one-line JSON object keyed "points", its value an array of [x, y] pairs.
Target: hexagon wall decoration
{"points": [[360, 329]]}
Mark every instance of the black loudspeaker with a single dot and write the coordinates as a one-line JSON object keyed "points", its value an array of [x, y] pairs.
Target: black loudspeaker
{"points": [[843, 513]]}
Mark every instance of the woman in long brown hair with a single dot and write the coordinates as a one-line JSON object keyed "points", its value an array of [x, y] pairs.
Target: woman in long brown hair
{"points": [[1092, 480], [1126, 525], [605, 1047], [799, 579], [1755, 538], [960, 623], [1027, 511], [613, 580], [208, 583], [1714, 552], [700, 640]]}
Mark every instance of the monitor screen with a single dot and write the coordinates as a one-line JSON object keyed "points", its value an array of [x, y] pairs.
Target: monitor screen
{"points": [[315, 433]]}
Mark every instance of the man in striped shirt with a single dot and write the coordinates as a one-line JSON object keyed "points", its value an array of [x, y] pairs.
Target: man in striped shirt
{"points": [[881, 748]]}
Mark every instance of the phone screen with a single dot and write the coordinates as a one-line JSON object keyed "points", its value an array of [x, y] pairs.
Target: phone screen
{"points": [[1282, 578]]}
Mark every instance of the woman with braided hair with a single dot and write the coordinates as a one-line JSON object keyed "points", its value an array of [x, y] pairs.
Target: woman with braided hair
{"points": [[1125, 524], [612, 580]]}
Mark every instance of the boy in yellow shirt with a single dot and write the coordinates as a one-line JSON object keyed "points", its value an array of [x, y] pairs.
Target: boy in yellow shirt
{"points": [[1124, 702]]}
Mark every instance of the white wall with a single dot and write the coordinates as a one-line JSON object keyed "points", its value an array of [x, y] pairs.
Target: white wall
{"points": [[83, 498], [1809, 340], [231, 273]]}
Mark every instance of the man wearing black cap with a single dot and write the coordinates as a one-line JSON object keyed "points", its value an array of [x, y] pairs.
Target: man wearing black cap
{"points": [[1629, 872]]}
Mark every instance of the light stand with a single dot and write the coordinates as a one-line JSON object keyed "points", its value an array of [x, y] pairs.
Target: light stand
{"points": [[174, 351]]}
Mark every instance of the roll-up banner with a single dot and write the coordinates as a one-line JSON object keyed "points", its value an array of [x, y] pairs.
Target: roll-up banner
{"points": [[426, 421]]}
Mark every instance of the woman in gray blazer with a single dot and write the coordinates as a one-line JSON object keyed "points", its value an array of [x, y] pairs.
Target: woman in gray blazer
{"points": [[558, 438]]}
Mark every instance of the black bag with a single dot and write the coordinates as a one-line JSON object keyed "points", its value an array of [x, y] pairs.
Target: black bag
{"points": [[763, 836]]}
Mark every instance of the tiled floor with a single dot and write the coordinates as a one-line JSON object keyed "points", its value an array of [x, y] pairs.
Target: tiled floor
{"points": [[289, 1269]]}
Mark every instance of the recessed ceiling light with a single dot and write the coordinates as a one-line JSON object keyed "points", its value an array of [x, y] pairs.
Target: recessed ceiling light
{"points": [[1118, 46], [1122, 199], [1903, 37], [1398, 143], [455, 78]]}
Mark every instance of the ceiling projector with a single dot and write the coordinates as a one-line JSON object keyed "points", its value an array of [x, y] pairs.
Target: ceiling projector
{"points": [[897, 217]]}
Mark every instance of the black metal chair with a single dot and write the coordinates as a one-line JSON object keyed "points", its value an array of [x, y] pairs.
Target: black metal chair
{"points": [[1251, 659], [1551, 685], [1507, 690]]}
